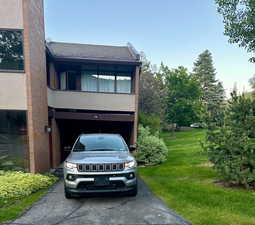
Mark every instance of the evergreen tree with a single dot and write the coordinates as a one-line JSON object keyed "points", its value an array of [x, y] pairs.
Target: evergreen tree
{"points": [[220, 92], [213, 93], [230, 146]]}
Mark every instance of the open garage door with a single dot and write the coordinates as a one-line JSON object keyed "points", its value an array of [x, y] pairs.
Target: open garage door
{"points": [[71, 129], [68, 125]]}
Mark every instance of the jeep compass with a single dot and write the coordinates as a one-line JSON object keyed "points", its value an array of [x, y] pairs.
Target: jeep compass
{"points": [[100, 163]]}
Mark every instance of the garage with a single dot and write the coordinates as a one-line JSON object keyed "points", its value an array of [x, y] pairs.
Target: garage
{"points": [[66, 126]]}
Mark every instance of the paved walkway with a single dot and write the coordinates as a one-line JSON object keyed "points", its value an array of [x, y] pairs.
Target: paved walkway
{"points": [[54, 209]]}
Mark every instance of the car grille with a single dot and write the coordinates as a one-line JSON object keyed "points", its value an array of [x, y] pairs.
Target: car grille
{"points": [[101, 167]]}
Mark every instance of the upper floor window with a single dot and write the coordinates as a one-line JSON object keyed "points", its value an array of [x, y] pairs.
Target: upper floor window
{"points": [[106, 79], [89, 81], [123, 83], [68, 81], [11, 50], [97, 78]]}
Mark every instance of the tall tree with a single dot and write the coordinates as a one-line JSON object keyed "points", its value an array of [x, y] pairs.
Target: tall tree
{"points": [[213, 93], [220, 92], [204, 72], [152, 91], [183, 93], [238, 18]]}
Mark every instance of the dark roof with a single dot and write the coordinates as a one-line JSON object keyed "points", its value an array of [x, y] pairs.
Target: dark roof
{"points": [[91, 52]]}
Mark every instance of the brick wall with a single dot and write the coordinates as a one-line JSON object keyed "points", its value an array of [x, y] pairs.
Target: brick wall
{"points": [[35, 66], [56, 151]]}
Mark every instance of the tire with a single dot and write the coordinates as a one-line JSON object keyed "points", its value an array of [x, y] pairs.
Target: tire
{"points": [[133, 192], [67, 194]]}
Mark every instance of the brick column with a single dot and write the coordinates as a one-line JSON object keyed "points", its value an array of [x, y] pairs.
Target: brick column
{"points": [[35, 66]]}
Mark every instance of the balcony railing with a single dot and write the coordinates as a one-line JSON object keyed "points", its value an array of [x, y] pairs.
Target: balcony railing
{"points": [[91, 100]]}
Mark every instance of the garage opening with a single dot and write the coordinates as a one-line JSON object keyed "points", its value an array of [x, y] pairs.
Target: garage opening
{"points": [[70, 129], [67, 125]]}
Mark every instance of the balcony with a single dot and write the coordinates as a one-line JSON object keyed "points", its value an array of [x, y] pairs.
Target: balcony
{"points": [[91, 100]]}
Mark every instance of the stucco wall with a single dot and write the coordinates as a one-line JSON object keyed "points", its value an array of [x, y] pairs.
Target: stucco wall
{"points": [[13, 94], [11, 14], [13, 91]]}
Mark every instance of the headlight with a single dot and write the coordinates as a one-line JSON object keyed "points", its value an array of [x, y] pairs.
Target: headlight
{"points": [[70, 165], [130, 164]]}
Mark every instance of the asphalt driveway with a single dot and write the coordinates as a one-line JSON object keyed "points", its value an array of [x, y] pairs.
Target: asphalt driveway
{"points": [[54, 209]]}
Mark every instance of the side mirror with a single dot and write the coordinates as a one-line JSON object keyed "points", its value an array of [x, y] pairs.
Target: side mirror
{"points": [[132, 148]]}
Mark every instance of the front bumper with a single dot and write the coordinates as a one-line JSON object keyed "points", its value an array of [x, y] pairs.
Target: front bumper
{"points": [[86, 182], [86, 191]]}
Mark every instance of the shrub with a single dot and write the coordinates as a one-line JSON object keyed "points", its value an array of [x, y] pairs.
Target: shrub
{"points": [[231, 146], [151, 121], [151, 149], [14, 185]]}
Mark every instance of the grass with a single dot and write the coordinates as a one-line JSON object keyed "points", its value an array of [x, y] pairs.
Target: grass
{"points": [[187, 186], [19, 190], [11, 209]]}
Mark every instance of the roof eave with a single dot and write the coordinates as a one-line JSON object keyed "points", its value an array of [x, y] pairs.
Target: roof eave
{"points": [[97, 61]]}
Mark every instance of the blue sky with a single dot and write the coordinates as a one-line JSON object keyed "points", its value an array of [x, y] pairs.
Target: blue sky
{"points": [[170, 31]]}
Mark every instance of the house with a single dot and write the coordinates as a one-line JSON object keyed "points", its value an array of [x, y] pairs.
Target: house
{"points": [[51, 92]]}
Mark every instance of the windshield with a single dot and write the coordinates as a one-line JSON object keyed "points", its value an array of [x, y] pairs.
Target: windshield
{"points": [[100, 143]]}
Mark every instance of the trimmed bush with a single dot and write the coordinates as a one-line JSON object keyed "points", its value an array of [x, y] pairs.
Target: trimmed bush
{"points": [[151, 149], [14, 185], [153, 122]]}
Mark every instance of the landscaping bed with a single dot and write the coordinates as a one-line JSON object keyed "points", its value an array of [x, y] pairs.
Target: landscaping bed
{"points": [[19, 190], [189, 186]]}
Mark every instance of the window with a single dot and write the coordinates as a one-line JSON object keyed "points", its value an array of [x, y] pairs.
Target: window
{"points": [[71, 80], [106, 83], [106, 78], [88, 81], [97, 78], [63, 81], [68, 81], [123, 84], [11, 50], [13, 139]]}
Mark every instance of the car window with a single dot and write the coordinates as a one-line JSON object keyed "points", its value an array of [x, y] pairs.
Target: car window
{"points": [[100, 143]]}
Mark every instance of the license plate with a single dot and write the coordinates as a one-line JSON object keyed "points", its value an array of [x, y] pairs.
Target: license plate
{"points": [[102, 181]]}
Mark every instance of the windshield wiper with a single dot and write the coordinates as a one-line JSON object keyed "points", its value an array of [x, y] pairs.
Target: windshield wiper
{"points": [[79, 150]]}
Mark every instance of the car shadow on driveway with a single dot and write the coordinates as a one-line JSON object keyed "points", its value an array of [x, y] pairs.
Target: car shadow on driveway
{"points": [[54, 209]]}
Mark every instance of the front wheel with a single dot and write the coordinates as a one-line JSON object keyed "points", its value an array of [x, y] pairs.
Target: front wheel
{"points": [[67, 194], [133, 192]]}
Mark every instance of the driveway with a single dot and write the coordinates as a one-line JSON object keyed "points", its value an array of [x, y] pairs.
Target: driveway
{"points": [[54, 209]]}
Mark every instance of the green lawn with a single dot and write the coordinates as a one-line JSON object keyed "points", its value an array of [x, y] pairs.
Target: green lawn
{"points": [[12, 209], [187, 186]]}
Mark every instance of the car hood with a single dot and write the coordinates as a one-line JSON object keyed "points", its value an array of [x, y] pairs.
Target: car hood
{"points": [[100, 157]]}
